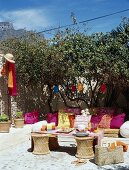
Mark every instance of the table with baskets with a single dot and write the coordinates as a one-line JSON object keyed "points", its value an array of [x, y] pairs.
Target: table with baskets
{"points": [[43, 143]]}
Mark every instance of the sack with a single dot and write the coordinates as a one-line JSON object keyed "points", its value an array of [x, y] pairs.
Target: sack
{"points": [[31, 117], [105, 156], [52, 117]]}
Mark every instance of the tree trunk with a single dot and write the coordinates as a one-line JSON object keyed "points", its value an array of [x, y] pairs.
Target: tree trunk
{"points": [[50, 98]]}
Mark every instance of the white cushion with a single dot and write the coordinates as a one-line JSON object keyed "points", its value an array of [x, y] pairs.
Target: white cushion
{"points": [[36, 127], [124, 129]]}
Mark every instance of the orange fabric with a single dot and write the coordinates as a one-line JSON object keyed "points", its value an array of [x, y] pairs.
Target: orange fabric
{"points": [[80, 87], [118, 143], [105, 121], [10, 76]]}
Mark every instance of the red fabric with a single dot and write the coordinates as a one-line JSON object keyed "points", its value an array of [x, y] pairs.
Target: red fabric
{"points": [[74, 89], [13, 91], [103, 88], [52, 117], [117, 121], [31, 117], [95, 119]]}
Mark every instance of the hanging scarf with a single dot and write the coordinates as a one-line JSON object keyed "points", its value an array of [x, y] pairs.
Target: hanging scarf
{"points": [[80, 87], [12, 89]]}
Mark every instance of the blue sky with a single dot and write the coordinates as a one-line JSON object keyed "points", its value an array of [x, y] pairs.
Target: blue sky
{"points": [[44, 14]]}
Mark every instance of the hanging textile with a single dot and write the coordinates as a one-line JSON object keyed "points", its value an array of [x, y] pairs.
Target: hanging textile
{"points": [[12, 89], [80, 87], [73, 88], [55, 89], [9, 70], [103, 88]]}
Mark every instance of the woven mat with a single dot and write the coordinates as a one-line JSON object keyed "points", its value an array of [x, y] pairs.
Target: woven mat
{"points": [[111, 135], [111, 131]]}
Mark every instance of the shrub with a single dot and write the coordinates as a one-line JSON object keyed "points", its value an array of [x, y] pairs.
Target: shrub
{"points": [[19, 115], [4, 118]]}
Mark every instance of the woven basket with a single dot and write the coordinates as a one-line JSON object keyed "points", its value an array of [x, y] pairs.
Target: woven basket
{"points": [[111, 131], [5, 127], [105, 157], [111, 135], [84, 147], [40, 144], [19, 123]]}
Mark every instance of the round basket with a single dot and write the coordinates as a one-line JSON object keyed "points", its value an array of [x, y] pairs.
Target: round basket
{"points": [[84, 147], [40, 144], [19, 123], [5, 127]]}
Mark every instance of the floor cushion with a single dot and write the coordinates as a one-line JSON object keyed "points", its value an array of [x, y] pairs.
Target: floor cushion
{"points": [[117, 121], [124, 130], [105, 121], [52, 117]]}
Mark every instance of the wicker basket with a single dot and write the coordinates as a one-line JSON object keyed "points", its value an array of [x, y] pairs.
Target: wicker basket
{"points": [[111, 131], [84, 147], [113, 135], [19, 123], [5, 127], [40, 144], [105, 157]]}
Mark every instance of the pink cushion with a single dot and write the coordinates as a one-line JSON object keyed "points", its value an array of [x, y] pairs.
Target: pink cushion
{"points": [[52, 117], [76, 111], [117, 121], [31, 117], [106, 110], [95, 119]]}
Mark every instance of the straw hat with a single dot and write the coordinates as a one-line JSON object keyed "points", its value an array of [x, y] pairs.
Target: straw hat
{"points": [[9, 57]]}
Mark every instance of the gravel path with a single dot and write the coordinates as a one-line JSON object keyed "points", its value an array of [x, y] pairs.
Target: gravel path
{"points": [[14, 155]]}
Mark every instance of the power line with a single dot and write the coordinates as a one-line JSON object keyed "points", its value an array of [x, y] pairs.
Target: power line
{"points": [[81, 22]]}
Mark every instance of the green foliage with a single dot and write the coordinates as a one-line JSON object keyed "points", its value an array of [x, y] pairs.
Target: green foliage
{"points": [[71, 54], [4, 118], [18, 115]]}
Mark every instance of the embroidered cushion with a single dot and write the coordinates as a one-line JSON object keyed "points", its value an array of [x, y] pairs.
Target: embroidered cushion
{"points": [[63, 120], [105, 121], [95, 119], [117, 121], [31, 117], [52, 117]]}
